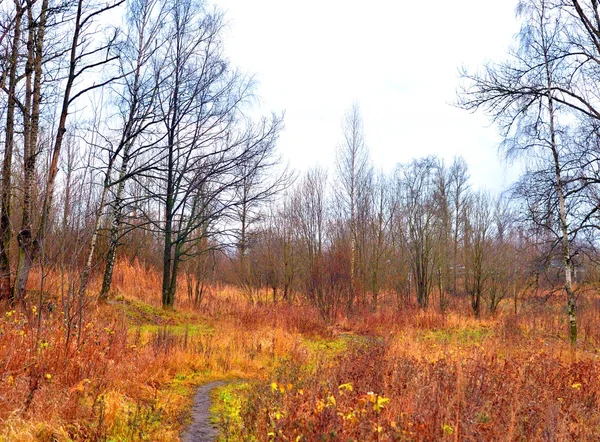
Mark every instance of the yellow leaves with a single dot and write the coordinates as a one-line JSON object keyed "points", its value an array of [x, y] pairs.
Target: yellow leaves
{"points": [[331, 401], [320, 405], [345, 387], [272, 435], [342, 404], [379, 402], [48, 376], [576, 386], [351, 416], [447, 429], [43, 345], [278, 387]]}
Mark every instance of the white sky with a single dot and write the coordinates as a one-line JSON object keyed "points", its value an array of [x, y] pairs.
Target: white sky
{"points": [[398, 59]]}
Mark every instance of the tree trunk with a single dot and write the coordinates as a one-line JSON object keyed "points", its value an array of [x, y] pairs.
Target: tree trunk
{"points": [[168, 261], [85, 275], [5, 190], [167, 300], [28, 247], [31, 118], [117, 218], [561, 205]]}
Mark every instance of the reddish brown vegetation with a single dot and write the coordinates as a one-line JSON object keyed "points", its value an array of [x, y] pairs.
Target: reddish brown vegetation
{"points": [[510, 378], [129, 371]]}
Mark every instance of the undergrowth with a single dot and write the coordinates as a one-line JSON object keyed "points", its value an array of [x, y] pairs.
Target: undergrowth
{"points": [[128, 370]]}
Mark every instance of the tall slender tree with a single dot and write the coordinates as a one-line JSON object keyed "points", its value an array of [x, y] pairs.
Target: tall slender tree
{"points": [[522, 95]]}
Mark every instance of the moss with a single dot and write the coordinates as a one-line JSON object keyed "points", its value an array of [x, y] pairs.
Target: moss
{"points": [[331, 347], [177, 330], [459, 335], [148, 320], [334, 347], [185, 382], [140, 313]]}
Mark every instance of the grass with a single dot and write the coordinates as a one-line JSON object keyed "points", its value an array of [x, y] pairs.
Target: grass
{"points": [[228, 402], [462, 336], [140, 313], [434, 377], [329, 347], [128, 374], [131, 370]]}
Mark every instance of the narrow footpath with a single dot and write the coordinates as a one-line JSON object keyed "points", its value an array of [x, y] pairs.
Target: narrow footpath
{"points": [[201, 429]]}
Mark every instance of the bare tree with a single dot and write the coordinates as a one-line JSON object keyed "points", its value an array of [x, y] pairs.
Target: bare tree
{"points": [[84, 58], [478, 249], [140, 68], [207, 140], [444, 231], [259, 184], [459, 196], [418, 204], [522, 95], [353, 175], [505, 259], [309, 214], [379, 223], [9, 75]]}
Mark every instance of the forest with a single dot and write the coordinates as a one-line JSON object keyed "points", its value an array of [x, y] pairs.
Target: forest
{"points": [[154, 240]]}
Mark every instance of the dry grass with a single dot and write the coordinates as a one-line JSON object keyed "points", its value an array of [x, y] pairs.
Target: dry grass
{"points": [[128, 373], [430, 376], [129, 370]]}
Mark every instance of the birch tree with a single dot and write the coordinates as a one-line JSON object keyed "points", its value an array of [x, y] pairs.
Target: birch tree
{"points": [[140, 66], [86, 55], [521, 94]]}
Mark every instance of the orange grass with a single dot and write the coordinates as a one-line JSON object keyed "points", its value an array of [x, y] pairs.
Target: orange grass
{"points": [[128, 373], [128, 369], [440, 377]]}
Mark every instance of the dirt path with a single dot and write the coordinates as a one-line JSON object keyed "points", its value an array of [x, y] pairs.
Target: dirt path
{"points": [[201, 429]]}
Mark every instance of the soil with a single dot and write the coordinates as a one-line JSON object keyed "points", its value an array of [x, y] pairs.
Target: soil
{"points": [[201, 429]]}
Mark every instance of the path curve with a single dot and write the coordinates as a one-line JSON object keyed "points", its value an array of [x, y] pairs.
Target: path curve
{"points": [[201, 429]]}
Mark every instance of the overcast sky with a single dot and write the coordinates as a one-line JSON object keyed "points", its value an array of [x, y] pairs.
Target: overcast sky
{"points": [[398, 59]]}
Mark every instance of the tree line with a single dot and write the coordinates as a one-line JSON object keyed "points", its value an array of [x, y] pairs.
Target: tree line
{"points": [[422, 230], [343, 240], [138, 136]]}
